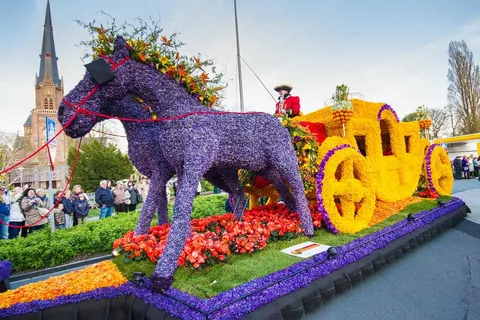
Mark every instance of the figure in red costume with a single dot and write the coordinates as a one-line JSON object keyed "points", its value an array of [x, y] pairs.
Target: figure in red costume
{"points": [[287, 104]]}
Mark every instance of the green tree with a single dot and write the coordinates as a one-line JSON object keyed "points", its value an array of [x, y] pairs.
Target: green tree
{"points": [[98, 161], [410, 117]]}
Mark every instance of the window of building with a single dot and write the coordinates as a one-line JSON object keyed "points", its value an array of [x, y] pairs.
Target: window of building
{"points": [[407, 144], [48, 103], [385, 134], [362, 146]]}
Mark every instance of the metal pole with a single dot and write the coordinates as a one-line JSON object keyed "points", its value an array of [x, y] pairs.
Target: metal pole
{"points": [[240, 86]]}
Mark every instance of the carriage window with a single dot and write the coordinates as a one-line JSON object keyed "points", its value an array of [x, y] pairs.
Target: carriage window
{"points": [[385, 134], [407, 144], [362, 146]]}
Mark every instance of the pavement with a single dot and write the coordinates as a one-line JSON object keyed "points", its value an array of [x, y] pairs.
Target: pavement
{"points": [[440, 280]]}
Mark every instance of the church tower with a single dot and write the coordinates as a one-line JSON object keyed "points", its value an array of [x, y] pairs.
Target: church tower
{"points": [[48, 95]]}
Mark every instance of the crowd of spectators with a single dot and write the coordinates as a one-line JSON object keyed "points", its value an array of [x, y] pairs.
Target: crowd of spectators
{"points": [[466, 167], [26, 210]]}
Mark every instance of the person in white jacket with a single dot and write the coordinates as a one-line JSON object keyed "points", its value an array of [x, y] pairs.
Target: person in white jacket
{"points": [[17, 219]]}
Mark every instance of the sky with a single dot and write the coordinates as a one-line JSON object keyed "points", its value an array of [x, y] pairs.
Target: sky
{"points": [[387, 51]]}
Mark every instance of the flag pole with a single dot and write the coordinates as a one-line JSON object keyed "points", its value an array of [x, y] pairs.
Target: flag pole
{"points": [[240, 85]]}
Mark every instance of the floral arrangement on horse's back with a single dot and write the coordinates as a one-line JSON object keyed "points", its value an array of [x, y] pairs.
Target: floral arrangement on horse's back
{"points": [[148, 45]]}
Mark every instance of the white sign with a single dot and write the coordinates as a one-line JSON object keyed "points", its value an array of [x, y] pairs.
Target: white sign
{"points": [[305, 249]]}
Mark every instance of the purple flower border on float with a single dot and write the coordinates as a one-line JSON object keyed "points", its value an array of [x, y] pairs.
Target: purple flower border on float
{"points": [[428, 166], [319, 180], [386, 107], [239, 301], [5, 270], [37, 305]]}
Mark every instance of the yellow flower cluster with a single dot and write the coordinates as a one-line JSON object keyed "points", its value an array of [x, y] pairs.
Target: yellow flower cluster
{"points": [[148, 46], [256, 194], [100, 275], [441, 170], [347, 190], [394, 151]]}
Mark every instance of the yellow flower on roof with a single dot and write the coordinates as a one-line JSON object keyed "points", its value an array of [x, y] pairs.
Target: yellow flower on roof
{"points": [[164, 60]]}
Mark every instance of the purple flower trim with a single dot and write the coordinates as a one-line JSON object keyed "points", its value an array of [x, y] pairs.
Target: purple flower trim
{"points": [[428, 166], [237, 302], [28, 307], [176, 306], [347, 254], [320, 181], [5, 270], [386, 107]]}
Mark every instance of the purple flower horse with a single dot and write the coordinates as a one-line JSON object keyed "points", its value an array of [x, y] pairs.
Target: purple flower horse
{"points": [[213, 145]]}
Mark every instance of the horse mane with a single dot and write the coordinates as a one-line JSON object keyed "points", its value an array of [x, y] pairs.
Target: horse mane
{"points": [[149, 46]]}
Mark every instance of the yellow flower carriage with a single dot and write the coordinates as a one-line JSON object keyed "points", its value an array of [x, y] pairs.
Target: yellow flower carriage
{"points": [[368, 157]]}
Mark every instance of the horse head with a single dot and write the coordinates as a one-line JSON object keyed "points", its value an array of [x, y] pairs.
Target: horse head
{"points": [[107, 80]]}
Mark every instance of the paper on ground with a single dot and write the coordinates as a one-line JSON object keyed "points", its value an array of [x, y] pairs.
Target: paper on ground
{"points": [[307, 248]]}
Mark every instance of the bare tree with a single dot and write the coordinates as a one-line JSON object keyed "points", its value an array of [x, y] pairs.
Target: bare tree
{"points": [[439, 117], [464, 88]]}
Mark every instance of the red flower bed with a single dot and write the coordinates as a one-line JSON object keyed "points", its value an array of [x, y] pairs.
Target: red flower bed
{"points": [[429, 193], [215, 238]]}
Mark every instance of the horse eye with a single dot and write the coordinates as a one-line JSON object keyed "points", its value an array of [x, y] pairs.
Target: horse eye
{"points": [[100, 71]]}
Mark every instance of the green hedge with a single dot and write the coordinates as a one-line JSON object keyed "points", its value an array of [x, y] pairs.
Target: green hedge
{"points": [[43, 249], [204, 206]]}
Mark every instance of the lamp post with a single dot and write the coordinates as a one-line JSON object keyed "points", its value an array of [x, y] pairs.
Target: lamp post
{"points": [[240, 85]]}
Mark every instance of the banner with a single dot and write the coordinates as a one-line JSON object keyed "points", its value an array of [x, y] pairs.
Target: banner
{"points": [[49, 133]]}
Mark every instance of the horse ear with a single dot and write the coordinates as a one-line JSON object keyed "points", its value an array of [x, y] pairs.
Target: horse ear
{"points": [[121, 48]]}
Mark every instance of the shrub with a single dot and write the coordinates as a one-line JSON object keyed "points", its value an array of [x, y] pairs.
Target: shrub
{"points": [[43, 249]]}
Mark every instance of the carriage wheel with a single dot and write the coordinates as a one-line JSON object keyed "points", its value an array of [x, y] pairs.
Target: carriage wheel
{"points": [[345, 194], [256, 194], [438, 170]]}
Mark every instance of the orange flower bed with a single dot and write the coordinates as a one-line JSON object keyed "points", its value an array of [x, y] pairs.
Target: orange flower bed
{"points": [[384, 210], [100, 275]]}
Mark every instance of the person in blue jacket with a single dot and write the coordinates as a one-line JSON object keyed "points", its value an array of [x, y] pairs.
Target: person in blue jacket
{"points": [[67, 202], [81, 208], [4, 212], [104, 199]]}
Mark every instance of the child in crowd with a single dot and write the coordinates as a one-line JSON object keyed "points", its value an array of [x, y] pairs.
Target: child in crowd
{"points": [[59, 216], [81, 208]]}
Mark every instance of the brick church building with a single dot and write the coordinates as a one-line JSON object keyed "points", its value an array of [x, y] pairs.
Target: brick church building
{"points": [[48, 95]]}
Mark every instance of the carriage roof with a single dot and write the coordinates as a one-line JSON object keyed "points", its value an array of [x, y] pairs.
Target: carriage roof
{"points": [[361, 109]]}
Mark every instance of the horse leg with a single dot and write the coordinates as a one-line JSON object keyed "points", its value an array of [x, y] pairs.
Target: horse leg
{"points": [[281, 187], [216, 179], [230, 178], [287, 166], [162, 204], [189, 177], [155, 200]]}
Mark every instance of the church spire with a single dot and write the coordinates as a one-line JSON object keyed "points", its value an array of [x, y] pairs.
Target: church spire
{"points": [[48, 57]]}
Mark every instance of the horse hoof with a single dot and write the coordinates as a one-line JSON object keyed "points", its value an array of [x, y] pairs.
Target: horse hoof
{"points": [[161, 284]]}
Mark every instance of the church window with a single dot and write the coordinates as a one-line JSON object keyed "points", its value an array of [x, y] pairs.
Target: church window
{"points": [[48, 103]]}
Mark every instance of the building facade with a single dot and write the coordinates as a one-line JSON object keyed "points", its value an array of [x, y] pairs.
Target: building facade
{"points": [[48, 95]]}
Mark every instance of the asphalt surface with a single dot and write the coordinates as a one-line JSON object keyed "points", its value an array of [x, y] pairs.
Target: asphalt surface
{"points": [[440, 280]]}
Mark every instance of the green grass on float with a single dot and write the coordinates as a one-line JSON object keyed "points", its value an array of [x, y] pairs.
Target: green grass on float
{"points": [[209, 281]]}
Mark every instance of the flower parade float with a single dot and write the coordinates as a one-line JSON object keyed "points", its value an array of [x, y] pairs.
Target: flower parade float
{"points": [[346, 180]]}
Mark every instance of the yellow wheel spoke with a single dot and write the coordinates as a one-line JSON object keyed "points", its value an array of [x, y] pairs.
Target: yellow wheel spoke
{"points": [[347, 169], [348, 209]]}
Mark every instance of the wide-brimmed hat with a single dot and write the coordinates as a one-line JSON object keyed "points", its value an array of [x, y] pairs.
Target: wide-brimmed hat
{"points": [[283, 87]]}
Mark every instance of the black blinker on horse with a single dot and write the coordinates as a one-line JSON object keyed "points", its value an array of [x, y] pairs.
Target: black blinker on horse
{"points": [[100, 71]]}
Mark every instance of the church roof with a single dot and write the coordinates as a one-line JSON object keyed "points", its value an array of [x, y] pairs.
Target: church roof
{"points": [[48, 57], [28, 122]]}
